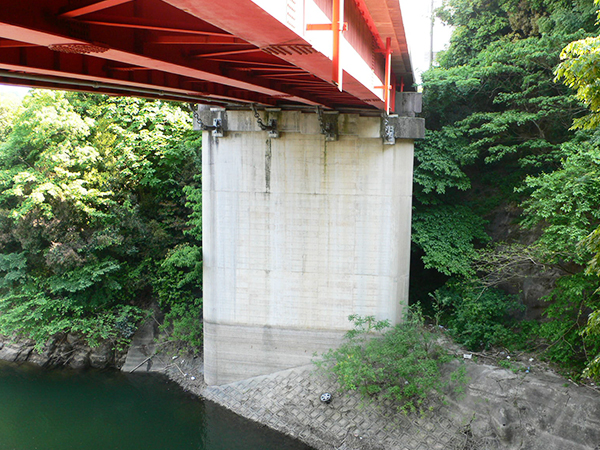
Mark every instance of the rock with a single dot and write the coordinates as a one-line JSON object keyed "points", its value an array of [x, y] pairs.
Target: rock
{"points": [[10, 352], [501, 423], [61, 350], [73, 338], [80, 359], [536, 411], [23, 355], [50, 346], [101, 356], [142, 348], [38, 359]]}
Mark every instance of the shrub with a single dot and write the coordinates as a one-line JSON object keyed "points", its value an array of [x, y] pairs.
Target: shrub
{"points": [[479, 317], [400, 363], [569, 331], [178, 286]]}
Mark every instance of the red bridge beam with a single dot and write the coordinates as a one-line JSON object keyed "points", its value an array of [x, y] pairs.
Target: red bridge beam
{"points": [[249, 21], [33, 29], [243, 50]]}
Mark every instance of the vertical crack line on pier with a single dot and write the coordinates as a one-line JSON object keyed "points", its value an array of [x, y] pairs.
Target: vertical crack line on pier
{"points": [[268, 166]]}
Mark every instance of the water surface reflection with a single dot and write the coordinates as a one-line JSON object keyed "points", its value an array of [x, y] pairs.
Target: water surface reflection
{"points": [[104, 410]]}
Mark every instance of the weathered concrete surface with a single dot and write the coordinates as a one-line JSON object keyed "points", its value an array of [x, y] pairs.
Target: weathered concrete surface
{"points": [[541, 411], [500, 410], [298, 234], [142, 355]]}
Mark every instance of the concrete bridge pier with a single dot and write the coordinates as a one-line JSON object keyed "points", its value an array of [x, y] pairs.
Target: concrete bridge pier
{"points": [[302, 226]]}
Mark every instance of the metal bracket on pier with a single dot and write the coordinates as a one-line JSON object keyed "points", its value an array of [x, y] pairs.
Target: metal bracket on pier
{"points": [[216, 128], [403, 124], [204, 114], [401, 127], [388, 130], [328, 123], [271, 128]]}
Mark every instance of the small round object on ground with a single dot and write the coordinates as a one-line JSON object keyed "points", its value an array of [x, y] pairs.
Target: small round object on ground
{"points": [[326, 397]]}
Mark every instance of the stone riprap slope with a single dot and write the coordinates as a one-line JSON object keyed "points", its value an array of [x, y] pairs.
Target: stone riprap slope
{"points": [[499, 410]]}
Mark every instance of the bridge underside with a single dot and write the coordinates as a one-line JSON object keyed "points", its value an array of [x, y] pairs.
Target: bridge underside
{"points": [[234, 52], [306, 211]]}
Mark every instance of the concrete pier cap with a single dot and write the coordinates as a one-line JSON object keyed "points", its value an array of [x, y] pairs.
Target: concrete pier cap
{"points": [[302, 227]]}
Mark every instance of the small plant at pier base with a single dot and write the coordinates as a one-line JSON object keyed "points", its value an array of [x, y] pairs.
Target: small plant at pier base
{"points": [[400, 363]]}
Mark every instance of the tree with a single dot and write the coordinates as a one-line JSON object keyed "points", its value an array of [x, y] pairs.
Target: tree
{"points": [[8, 107], [501, 142], [495, 116], [91, 202], [580, 69]]}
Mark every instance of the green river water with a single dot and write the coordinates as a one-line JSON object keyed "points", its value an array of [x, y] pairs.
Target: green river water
{"points": [[109, 410]]}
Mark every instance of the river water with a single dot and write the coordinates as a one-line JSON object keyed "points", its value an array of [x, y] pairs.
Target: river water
{"points": [[110, 410]]}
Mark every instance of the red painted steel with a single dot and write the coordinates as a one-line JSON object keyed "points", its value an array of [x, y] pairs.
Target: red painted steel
{"points": [[145, 24], [94, 7], [388, 74], [364, 11], [247, 20], [219, 52], [324, 27], [337, 23]]}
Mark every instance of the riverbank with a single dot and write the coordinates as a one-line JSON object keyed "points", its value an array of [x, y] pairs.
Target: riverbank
{"points": [[62, 350], [502, 407]]}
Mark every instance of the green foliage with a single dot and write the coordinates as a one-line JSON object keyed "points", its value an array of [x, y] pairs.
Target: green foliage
{"points": [[477, 23], [440, 157], [92, 201], [401, 363], [567, 203], [193, 194], [504, 104], [479, 317], [570, 343], [35, 315], [8, 107], [179, 281], [579, 69], [178, 286], [501, 137], [592, 331], [495, 115], [447, 234]]}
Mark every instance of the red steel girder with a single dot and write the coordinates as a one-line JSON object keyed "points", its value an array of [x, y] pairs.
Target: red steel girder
{"points": [[184, 47], [94, 7], [248, 21], [194, 39], [33, 29], [40, 61], [145, 24]]}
